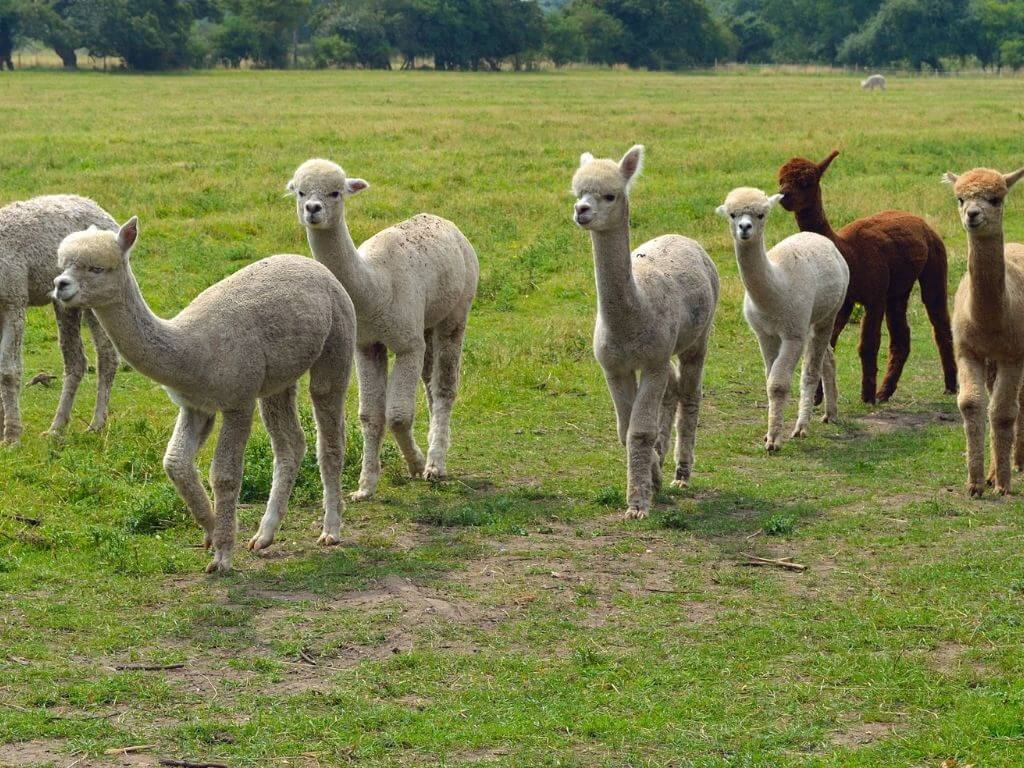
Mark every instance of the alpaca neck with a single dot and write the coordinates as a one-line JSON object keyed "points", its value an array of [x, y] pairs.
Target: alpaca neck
{"points": [[152, 345], [335, 249], [617, 296], [813, 219], [760, 277], [987, 268]]}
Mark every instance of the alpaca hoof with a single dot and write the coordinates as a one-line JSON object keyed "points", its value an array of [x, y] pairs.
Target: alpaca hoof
{"points": [[433, 473], [680, 483], [1002, 490], [829, 418], [635, 513], [95, 428], [417, 468], [360, 495], [883, 397], [975, 490], [329, 539], [800, 431], [948, 391], [772, 444], [260, 541], [221, 563]]}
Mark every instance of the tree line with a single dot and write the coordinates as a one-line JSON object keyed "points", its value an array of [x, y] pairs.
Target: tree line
{"points": [[496, 34]]}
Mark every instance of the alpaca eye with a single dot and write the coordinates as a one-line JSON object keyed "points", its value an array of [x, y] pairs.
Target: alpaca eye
{"points": [[97, 270], [609, 198], [995, 201], [760, 215], [960, 201], [301, 193], [335, 194], [732, 215]]}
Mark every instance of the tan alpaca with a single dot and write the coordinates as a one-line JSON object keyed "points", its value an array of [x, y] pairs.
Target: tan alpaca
{"points": [[988, 327]]}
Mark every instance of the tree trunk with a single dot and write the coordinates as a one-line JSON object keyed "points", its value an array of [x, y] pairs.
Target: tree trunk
{"points": [[67, 56]]}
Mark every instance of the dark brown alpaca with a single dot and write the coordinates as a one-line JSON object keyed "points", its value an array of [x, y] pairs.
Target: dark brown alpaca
{"points": [[886, 254]]}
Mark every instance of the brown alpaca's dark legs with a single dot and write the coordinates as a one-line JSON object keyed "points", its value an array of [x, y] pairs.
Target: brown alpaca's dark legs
{"points": [[870, 339], [933, 294], [899, 344], [842, 318]]}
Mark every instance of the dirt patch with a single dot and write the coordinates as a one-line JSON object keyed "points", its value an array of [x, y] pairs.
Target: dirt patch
{"points": [[946, 657], [37, 752], [889, 421], [860, 734]]}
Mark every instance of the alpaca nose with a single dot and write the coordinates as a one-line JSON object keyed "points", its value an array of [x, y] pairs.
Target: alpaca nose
{"points": [[582, 208], [314, 207], [61, 283], [745, 227], [973, 214]]}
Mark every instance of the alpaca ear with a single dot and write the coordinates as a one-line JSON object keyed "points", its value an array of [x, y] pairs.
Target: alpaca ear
{"points": [[722, 211], [631, 164], [128, 234], [585, 158], [355, 186], [949, 178], [289, 188], [774, 199], [1013, 178], [824, 164]]}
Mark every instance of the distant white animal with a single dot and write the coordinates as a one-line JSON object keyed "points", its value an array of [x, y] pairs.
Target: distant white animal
{"points": [[875, 81]]}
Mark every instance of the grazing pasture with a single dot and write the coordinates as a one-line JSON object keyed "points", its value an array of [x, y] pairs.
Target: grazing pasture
{"points": [[510, 616]]}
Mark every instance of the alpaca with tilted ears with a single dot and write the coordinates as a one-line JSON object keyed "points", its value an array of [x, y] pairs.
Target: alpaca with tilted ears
{"points": [[248, 338], [988, 328], [654, 303], [887, 253]]}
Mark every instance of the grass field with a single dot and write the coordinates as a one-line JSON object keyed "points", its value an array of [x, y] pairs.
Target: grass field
{"points": [[510, 617]]}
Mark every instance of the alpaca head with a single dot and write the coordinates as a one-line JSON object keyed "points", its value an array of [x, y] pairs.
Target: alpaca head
{"points": [[602, 189], [979, 195], [94, 264], [799, 181], [320, 188], [746, 208]]}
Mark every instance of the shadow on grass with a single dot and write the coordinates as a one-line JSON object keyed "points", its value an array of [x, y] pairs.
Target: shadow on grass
{"points": [[718, 515]]}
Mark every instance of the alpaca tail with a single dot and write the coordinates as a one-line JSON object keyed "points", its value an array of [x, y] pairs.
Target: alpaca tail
{"points": [[935, 295]]}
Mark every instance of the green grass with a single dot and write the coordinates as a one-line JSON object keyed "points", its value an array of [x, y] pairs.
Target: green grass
{"points": [[509, 617]]}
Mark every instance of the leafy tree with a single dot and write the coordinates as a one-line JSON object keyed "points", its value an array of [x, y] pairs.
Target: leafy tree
{"points": [[754, 37], [10, 23], [332, 51], [263, 31], [49, 22], [362, 26], [915, 32], [146, 34], [563, 39], [603, 37]]}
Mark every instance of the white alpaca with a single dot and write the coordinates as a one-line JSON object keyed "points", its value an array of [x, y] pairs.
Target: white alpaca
{"points": [[792, 295], [412, 286], [30, 232], [247, 338], [653, 303], [872, 82]]}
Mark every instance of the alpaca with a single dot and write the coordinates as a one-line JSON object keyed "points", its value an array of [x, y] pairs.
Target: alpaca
{"points": [[988, 328], [792, 295], [653, 303], [247, 338], [412, 286], [886, 253], [30, 232], [873, 81]]}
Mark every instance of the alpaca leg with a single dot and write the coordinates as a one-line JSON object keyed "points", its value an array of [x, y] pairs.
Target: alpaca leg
{"points": [[13, 322], [779, 381], [401, 406], [372, 372], [971, 402], [428, 367], [280, 416], [691, 374], [669, 405], [934, 295], [622, 386], [769, 345], [644, 426], [190, 433], [107, 361], [1003, 410], [1018, 434], [226, 481], [328, 385], [810, 377], [828, 377], [447, 349], [69, 333], [838, 325], [870, 338], [899, 345]]}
